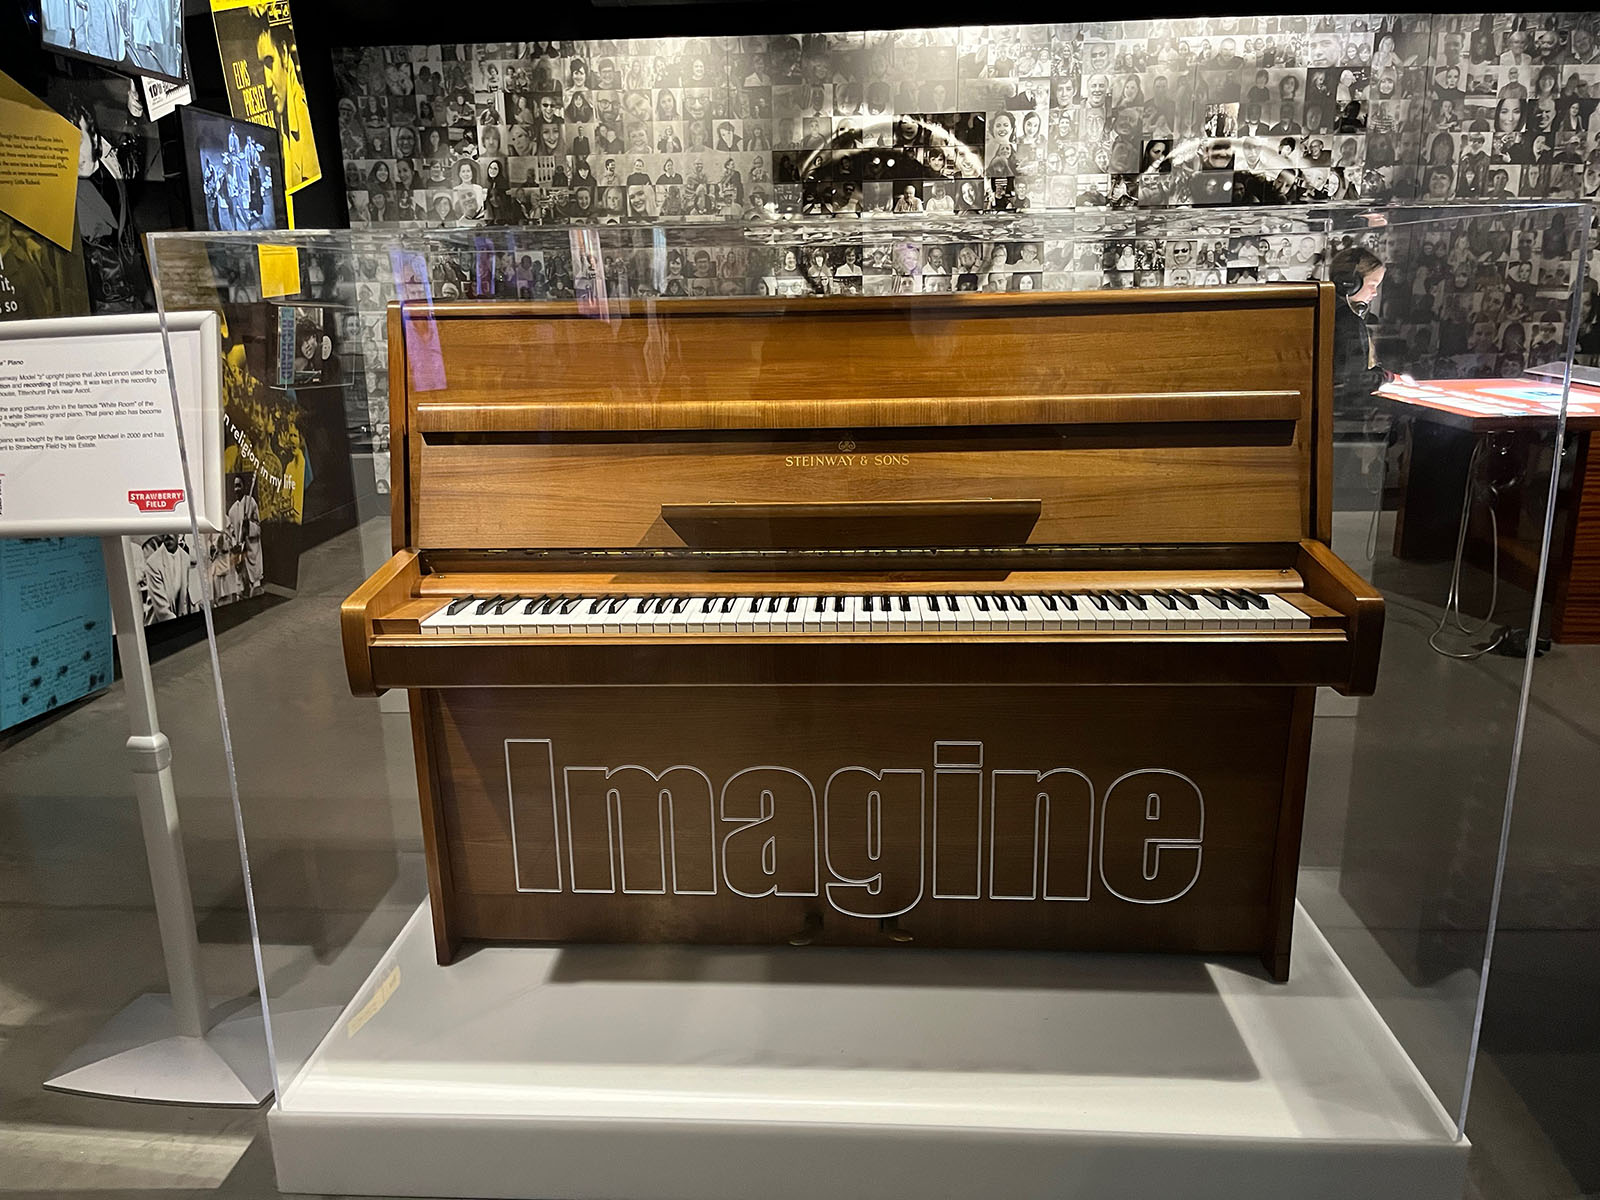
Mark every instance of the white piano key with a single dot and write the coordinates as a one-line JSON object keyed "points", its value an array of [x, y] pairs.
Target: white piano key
{"points": [[444, 622], [741, 619], [1090, 615], [1137, 620], [1289, 616], [695, 618], [1037, 618], [992, 616], [1058, 616]]}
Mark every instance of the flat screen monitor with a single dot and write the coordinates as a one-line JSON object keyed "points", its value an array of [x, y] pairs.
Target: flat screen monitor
{"points": [[136, 37], [233, 172]]}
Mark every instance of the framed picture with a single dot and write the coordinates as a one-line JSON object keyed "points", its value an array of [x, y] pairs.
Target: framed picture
{"points": [[233, 171], [135, 37], [307, 349]]}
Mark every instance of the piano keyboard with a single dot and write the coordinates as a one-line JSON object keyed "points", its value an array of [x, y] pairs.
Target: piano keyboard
{"points": [[1227, 610]]}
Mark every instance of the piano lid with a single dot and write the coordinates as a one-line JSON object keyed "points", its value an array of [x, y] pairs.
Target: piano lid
{"points": [[1126, 417]]}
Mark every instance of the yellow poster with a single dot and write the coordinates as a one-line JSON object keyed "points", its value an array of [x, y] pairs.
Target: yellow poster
{"points": [[38, 164], [280, 270], [261, 64]]}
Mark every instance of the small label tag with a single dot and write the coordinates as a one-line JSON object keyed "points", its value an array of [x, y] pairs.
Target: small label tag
{"points": [[156, 501]]}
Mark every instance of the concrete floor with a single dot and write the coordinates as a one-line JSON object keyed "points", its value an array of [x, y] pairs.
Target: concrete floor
{"points": [[328, 798]]}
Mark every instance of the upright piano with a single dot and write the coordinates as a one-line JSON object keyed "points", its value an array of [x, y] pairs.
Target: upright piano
{"points": [[949, 620]]}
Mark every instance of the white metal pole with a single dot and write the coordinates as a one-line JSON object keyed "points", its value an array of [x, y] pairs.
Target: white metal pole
{"points": [[158, 808]]}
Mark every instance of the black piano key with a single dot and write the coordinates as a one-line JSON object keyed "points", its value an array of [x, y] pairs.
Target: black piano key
{"points": [[1253, 599], [821, 604], [570, 605], [506, 605], [594, 605], [645, 604], [486, 605], [905, 603], [982, 602], [1017, 603], [1135, 599], [1166, 601], [866, 604], [1068, 601], [951, 605], [793, 605], [1220, 598], [1049, 601], [527, 609], [1099, 601], [617, 606], [838, 604], [727, 604], [680, 604], [457, 605], [1185, 599], [1118, 601], [705, 605]]}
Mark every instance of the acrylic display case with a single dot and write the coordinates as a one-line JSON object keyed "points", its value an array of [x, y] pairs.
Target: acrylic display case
{"points": [[643, 1055]]}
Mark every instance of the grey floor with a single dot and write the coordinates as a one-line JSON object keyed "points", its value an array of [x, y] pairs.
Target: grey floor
{"points": [[1400, 841]]}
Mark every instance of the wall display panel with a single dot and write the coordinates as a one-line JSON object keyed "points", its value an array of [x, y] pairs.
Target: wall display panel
{"points": [[55, 625]]}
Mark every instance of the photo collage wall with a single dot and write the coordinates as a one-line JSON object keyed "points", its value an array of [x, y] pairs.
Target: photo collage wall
{"points": [[1219, 110], [1123, 122]]}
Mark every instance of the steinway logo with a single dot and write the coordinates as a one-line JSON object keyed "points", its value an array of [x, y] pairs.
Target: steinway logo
{"points": [[845, 461], [873, 840]]}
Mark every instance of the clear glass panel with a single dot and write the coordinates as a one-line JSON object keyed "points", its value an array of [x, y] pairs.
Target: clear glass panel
{"points": [[1442, 498], [122, 911], [1408, 787]]}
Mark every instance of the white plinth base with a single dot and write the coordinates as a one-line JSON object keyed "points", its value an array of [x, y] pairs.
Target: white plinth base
{"points": [[667, 1073], [138, 1055]]}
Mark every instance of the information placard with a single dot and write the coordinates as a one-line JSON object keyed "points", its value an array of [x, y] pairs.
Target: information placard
{"points": [[87, 439]]}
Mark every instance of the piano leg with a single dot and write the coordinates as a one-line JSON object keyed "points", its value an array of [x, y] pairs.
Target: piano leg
{"points": [[424, 720], [1286, 855]]}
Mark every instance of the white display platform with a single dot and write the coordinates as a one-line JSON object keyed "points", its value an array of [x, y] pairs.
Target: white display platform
{"points": [[672, 1073]]}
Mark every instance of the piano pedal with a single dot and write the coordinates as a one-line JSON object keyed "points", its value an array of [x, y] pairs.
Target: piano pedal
{"points": [[891, 926], [808, 932]]}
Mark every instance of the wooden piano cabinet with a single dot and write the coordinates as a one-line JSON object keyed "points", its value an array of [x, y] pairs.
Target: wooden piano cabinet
{"points": [[1097, 789], [1085, 818]]}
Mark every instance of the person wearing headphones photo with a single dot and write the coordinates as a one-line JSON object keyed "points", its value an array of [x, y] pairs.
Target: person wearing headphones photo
{"points": [[1356, 274]]}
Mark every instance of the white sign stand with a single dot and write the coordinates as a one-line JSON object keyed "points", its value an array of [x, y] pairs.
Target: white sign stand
{"points": [[86, 435], [167, 1048]]}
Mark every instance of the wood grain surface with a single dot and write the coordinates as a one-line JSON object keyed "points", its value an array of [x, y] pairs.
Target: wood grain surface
{"points": [[1088, 791], [1231, 748]]}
